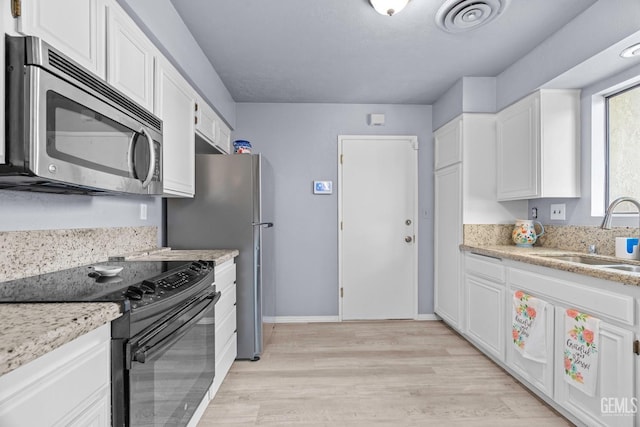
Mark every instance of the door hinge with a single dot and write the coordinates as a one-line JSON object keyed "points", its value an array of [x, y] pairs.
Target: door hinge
{"points": [[340, 225], [636, 347], [341, 158], [195, 120], [16, 8], [341, 292]]}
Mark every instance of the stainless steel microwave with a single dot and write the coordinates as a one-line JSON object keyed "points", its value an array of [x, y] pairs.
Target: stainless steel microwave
{"points": [[68, 131]]}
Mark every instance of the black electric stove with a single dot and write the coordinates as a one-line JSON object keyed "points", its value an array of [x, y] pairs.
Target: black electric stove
{"points": [[168, 320], [144, 289]]}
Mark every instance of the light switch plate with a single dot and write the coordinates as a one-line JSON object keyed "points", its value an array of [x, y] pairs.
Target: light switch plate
{"points": [[558, 212]]}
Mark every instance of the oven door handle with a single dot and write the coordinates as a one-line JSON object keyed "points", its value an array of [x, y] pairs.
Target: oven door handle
{"points": [[164, 341]]}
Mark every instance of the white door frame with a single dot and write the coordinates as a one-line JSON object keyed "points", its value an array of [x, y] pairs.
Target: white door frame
{"points": [[414, 141]]}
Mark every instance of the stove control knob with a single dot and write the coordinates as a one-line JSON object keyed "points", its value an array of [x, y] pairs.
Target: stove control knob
{"points": [[148, 287], [133, 293]]}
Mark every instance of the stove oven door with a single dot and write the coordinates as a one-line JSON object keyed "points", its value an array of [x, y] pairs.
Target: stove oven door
{"points": [[172, 366]]}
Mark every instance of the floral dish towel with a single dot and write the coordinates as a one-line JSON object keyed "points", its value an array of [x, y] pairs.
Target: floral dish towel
{"points": [[529, 326], [582, 334]]}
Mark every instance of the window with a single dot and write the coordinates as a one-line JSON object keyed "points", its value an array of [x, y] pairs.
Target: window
{"points": [[623, 147]]}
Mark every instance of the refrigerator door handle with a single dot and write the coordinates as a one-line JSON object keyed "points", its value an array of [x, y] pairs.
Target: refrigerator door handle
{"points": [[263, 224]]}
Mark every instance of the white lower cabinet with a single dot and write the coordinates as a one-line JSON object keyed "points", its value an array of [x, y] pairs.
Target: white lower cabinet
{"points": [[225, 319], [69, 386], [447, 237], [537, 374], [612, 404], [615, 401], [484, 289]]}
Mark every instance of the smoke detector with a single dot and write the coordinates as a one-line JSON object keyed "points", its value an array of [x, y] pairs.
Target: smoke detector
{"points": [[456, 16]]}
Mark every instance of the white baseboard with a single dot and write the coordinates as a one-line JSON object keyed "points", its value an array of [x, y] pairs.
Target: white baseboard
{"points": [[301, 319], [428, 317], [325, 319]]}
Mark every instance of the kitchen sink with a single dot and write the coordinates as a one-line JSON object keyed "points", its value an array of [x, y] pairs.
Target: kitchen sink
{"points": [[625, 267], [583, 260]]}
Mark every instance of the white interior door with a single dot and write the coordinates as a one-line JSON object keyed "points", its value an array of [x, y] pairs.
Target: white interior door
{"points": [[378, 252]]}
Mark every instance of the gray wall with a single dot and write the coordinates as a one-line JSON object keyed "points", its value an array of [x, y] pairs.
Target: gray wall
{"points": [[39, 211], [467, 95], [300, 142], [602, 25]]}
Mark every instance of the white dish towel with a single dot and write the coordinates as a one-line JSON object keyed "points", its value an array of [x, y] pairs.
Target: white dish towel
{"points": [[529, 326], [582, 337]]}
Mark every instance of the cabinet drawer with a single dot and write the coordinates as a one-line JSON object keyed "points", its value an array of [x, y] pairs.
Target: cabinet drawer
{"points": [[224, 360], [598, 302], [225, 275], [485, 266], [226, 304], [225, 330]]}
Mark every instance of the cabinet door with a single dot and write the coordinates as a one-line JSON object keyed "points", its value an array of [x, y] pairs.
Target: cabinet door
{"points": [[448, 144], [174, 104], [206, 121], [224, 137], [75, 27], [518, 150], [613, 402], [67, 386], [447, 238], [130, 58], [484, 317], [538, 374]]}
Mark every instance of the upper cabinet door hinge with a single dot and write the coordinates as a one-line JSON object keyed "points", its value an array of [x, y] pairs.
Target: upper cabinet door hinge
{"points": [[341, 157], [341, 292], [636, 347], [16, 8]]}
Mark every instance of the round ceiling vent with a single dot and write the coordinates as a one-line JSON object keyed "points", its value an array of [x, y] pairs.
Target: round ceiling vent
{"points": [[456, 16]]}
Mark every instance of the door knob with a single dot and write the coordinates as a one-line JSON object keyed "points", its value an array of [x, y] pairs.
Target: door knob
{"points": [[408, 239]]}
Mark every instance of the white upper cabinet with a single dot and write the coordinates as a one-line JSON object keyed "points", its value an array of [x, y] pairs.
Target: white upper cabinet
{"points": [[448, 144], [223, 137], [175, 104], [130, 57], [539, 146], [206, 121], [75, 27], [211, 128]]}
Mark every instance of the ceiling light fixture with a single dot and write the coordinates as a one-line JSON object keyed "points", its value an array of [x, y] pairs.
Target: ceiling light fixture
{"points": [[631, 51], [388, 7]]}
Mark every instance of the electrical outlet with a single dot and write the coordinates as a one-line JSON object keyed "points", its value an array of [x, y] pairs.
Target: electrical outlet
{"points": [[143, 211], [558, 212]]}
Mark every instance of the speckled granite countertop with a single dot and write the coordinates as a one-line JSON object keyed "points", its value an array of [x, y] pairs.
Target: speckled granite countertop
{"points": [[31, 330], [219, 256], [541, 256]]}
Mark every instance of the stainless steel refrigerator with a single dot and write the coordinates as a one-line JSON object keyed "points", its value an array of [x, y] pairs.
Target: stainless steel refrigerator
{"points": [[227, 212]]}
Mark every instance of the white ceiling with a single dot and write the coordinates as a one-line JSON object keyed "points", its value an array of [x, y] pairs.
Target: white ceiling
{"points": [[342, 51]]}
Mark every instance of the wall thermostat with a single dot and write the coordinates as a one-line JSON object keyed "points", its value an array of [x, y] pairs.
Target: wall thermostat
{"points": [[322, 187]]}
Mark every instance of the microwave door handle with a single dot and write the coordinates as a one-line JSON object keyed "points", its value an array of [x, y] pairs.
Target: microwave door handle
{"points": [[152, 159], [132, 167]]}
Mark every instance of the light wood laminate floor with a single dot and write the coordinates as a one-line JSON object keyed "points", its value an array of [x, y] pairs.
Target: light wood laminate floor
{"points": [[391, 373]]}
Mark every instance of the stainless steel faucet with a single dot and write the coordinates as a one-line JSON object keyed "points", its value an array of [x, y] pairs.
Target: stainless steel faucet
{"points": [[606, 222]]}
